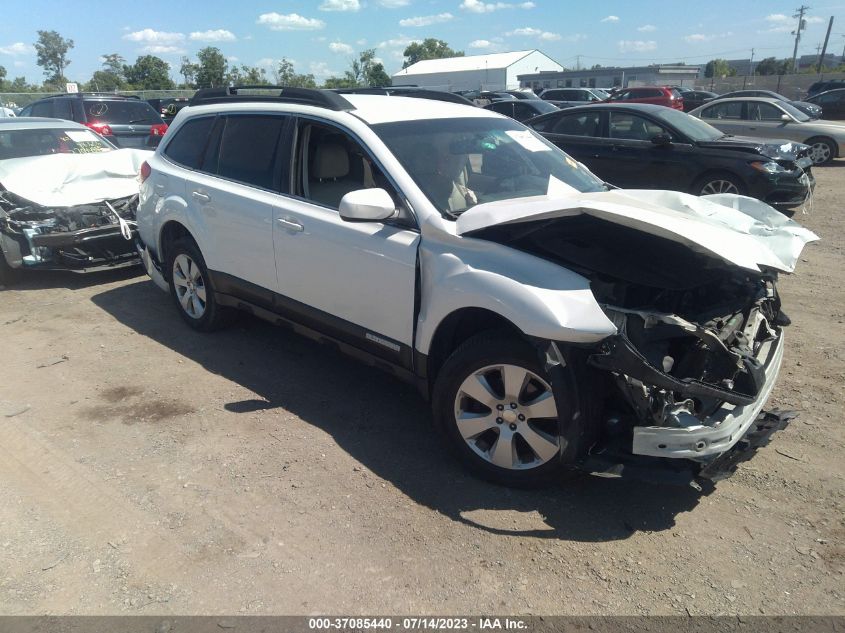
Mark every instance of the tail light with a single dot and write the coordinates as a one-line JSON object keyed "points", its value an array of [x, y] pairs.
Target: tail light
{"points": [[100, 128], [158, 129], [145, 172]]}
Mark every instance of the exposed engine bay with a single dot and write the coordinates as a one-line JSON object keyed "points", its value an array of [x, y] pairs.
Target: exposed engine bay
{"points": [[80, 237]]}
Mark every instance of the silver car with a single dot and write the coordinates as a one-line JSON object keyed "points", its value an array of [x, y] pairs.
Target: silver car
{"points": [[775, 119]]}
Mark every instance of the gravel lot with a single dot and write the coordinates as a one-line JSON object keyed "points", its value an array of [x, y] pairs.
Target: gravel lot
{"points": [[148, 469]]}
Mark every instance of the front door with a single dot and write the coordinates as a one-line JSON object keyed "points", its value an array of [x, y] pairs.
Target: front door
{"points": [[353, 280]]}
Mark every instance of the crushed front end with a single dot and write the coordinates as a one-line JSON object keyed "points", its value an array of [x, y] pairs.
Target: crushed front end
{"points": [[692, 371], [83, 237]]}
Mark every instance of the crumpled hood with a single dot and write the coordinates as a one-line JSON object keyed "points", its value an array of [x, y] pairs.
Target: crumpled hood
{"points": [[65, 180], [739, 230], [776, 149]]}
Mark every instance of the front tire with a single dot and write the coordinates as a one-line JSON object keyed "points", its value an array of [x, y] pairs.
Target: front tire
{"points": [[191, 289], [8, 275], [718, 183], [494, 403]]}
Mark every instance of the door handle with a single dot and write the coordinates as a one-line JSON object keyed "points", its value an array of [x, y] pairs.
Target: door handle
{"points": [[202, 197], [159, 187], [291, 225]]}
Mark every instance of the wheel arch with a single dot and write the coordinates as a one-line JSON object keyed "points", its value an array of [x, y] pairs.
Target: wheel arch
{"points": [[171, 231], [459, 326]]}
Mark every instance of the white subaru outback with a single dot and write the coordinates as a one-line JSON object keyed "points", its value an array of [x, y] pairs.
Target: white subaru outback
{"points": [[555, 323]]}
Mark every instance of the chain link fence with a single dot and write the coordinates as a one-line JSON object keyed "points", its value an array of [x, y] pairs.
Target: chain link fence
{"points": [[792, 86]]}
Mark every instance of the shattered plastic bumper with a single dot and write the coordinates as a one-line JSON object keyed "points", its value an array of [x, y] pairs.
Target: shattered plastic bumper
{"points": [[151, 265], [726, 426]]}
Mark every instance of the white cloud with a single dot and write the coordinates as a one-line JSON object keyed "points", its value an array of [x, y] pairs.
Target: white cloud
{"points": [[777, 17], [611, 18], [782, 23], [321, 69], [340, 5], [646, 28], [163, 49], [398, 42], [18, 48], [217, 35], [267, 62], [154, 37], [532, 32], [636, 46], [18, 64], [694, 38], [233, 59], [480, 44], [394, 4], [477, 6], [289, 22], [361, 42], [575, 37], [427, 20], [340, 47]]}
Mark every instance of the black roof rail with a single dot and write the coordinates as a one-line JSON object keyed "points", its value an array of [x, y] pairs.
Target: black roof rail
{"points": [[306, 96]]}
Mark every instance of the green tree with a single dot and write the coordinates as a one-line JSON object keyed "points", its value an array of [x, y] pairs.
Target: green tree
{"points": [[429, 48], [2, 77], [718, 68], [363, 71], [212, 68], [188, 70], [286, 75], [111, 77], [771, 66], [340, 82], [149, 73], [52, 51], [247, 76]]}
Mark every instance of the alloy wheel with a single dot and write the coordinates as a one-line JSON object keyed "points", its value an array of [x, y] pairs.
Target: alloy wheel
{"points": [[189, 285], [719, 186], [819, 152], [507, 415]]}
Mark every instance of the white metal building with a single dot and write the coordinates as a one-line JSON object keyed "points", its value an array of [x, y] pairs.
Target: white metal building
{"points": [[497, 71]]}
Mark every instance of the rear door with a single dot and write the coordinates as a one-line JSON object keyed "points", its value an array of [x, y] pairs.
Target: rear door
{"points": [[233, 195], [726, 116], [579, 134]]}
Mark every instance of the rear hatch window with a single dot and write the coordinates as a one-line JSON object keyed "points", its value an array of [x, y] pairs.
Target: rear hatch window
{"points": [[116, 112]]}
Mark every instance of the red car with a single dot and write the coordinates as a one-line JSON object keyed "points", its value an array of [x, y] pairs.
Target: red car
{"points": [[658, 95]]}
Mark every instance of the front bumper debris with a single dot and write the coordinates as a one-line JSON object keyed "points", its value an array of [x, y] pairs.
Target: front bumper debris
{"points": [[725, 427]]}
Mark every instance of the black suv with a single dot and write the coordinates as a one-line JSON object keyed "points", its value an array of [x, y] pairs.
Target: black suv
{"points": [[125, 121]]}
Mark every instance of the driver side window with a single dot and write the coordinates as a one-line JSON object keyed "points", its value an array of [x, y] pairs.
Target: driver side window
{"points": [[329, 164]]}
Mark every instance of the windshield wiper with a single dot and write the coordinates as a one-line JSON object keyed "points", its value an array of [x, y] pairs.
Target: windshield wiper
{"points": [[137, 121]]}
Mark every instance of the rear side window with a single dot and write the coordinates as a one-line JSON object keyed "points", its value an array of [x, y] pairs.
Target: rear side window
{"points": [[731, 110], [44, 108], [188, 146], [62, 109], [586, 124], [248, 149]]}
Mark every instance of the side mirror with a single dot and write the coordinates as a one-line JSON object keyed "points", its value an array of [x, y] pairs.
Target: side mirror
{"points": [[785, 118], [367, 205], [661, 139]]}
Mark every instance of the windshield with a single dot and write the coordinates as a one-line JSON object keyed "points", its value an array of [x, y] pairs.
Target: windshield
{"points": [[42, 142], [459, 163], [693, 128], [121, 112]]}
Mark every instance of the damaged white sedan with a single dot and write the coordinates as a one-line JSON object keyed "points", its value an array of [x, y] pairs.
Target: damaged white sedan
{"points": [[67, 198], [555, 323]]}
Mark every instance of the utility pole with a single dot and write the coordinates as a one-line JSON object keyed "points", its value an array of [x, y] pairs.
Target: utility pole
{"points": [[824, 48], [578, 62], [797, 33], [750, 70]]}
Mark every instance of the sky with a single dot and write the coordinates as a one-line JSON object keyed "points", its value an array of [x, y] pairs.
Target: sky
{"points": [[323, 36]]}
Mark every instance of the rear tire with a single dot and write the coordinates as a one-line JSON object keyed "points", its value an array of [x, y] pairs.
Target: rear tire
{"points": [[191, 288], [494, 404]]}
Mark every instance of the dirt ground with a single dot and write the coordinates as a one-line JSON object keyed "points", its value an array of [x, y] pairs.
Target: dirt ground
{"points": [[148, 469]]}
